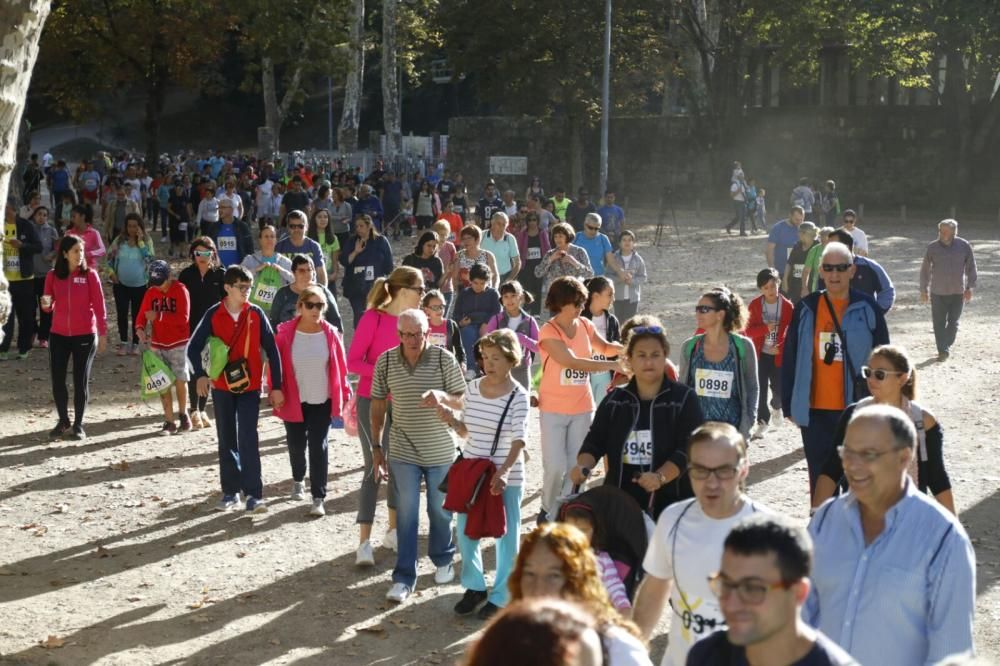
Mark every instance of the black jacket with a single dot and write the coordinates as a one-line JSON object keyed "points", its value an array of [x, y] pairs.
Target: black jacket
{"points": [[30, 246], [674, 414], [204, 291]]}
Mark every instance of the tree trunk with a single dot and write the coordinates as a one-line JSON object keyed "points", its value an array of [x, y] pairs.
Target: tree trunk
{"points": [[390, 80], [272, 114], [350, 117], [156, 94], [575, 154], [18, 51], [958, 101]]}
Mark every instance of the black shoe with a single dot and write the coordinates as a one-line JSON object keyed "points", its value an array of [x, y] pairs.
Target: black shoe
{"points": [[943, 356], [59, 430], [78, 433], [543, 517], [488, 611], [470, 602]]}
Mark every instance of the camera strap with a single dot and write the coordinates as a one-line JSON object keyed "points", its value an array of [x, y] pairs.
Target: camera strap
{"points": [[840, 334]]}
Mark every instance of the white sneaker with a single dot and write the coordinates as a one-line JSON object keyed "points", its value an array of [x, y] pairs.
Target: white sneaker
{"points": [[398, 593], [759, 431], [365, 556], [390, 541], [298, 490], [445, 574], [777, 420], [317, 508]]}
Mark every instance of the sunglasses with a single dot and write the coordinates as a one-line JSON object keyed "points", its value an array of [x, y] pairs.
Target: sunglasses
{"points": [[203, 253], [705, 309], [839, 268], [655, 330], [313, 305], [878, 373], [593, 228]]}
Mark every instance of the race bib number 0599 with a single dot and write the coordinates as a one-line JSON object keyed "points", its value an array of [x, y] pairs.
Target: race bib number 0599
{"points": [[571, 377]]}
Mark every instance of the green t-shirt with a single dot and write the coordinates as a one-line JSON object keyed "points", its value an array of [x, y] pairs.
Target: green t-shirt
{"points": [[328, 250], [812, 263]]}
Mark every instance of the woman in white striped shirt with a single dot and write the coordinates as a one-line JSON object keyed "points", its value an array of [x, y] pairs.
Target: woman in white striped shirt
{"points": [[496, 413]]}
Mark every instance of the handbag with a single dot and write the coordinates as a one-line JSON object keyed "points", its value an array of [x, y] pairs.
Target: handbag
{"points": [[236, 374], [858, 383], [443, 486], [351, 415]]}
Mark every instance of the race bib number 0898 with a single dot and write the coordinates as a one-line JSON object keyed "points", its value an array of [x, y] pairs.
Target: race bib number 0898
{"points": [[713, 383]]}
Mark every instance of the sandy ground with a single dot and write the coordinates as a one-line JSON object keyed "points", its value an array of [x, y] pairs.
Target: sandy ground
{"points": [[114, 556]]}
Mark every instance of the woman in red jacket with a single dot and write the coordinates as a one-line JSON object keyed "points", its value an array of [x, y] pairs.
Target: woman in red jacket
{"points": [[770, 315], [316, 389], [79, 326]]}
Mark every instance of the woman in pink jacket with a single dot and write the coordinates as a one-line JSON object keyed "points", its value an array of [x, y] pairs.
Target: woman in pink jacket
{"points": [[376, 332], [79, 326], [316, 389], [80, 226]]}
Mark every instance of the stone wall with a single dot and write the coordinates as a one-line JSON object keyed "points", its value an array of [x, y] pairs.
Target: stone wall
{"points": [[880, 156]]}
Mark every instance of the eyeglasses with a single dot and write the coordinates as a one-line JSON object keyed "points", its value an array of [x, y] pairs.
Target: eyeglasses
{"points": [[313, 305], [654, 330], [296, 226], [840, 268], [243, 288], [705, 309], [723, 473], [591, 228], [407, 335], [867, 457], [203, 253], [749, 590], [878, 373], [434, 308]]}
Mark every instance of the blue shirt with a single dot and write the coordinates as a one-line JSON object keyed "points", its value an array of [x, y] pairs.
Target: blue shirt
{"points": [[309, 247], [504, 251], [227, 245], [907, 598], [611, 218], [784, 235], [596, 248]]}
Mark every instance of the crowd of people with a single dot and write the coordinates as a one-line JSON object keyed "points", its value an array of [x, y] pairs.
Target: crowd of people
{"points": [[506, 306]]}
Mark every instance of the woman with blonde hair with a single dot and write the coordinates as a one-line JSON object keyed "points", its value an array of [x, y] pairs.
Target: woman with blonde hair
{"points": [[375, 333]]}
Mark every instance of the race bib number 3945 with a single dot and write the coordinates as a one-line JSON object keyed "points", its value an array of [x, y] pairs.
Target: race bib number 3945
{"points": [[713, 383], [638, 449]]}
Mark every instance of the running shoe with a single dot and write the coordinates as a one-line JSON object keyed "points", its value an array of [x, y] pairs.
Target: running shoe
{"points": [[317, 509], [255, 505], [185, 423], [59, 430], [298, 490], [169, 428], [470, 601]]}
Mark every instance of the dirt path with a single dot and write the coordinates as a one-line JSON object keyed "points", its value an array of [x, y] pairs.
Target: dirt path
{"points": [[113, 555]]}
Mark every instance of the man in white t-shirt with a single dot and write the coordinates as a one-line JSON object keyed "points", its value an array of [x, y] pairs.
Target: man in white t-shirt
{"points": [[860, 237], [687, 543]]}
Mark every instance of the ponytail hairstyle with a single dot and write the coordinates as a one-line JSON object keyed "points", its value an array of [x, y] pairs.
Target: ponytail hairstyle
{"points": [[900, 362], [385, 289], [596, 285], [514, 287], [730, 303]]}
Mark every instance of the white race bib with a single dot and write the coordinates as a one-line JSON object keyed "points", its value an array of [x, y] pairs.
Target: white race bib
{"points": [[713, 383], [570, 377], [830, 338], [227, 243], [638, 449], [438, 339], [369, 273], [157, 382], [797, 270], [183, 226], [265, 293], [534, 253], [12, 264], [771, 339]]}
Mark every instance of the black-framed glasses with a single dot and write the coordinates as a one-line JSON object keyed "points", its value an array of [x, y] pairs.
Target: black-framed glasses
{"points": [[705, 309], [420, 290], [313, 305], [751, 591], [722, 473], [409, 335], [592, 228], [243, 288], [296, 226], [867, 457], [878, 373], [839, 268]]}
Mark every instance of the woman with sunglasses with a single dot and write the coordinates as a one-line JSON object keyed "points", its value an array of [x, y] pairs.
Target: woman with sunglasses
{"points": [[721, 363], [366, 258], [375, 333], [892, 380], [286, 301], [315, 385], [533, 244], [643, 426], [204, 281]]}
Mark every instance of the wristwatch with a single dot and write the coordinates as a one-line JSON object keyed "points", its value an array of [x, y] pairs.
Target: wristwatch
{"points": [[663, 479]]}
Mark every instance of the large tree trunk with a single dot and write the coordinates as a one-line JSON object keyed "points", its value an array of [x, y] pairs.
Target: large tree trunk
{"points": [[156, 96], [272, 112], [958, 101], [350, 117], [21, 23], [390, 80]]}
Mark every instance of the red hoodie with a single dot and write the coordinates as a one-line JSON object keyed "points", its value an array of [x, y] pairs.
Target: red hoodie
{"points": [[173, 310], [756, 328], [77, 304]]}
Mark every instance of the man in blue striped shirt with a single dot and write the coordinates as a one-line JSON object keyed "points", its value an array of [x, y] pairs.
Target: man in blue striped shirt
{"points": [[894, 579]]}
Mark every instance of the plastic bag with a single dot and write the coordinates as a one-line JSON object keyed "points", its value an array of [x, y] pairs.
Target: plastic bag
{"points": [[351, 416], [156, 377], [218, 356], [265, 288]]}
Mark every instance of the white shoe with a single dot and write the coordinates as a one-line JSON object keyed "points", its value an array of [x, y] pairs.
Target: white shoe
{"points": [[398, 593], [317, 508], [445, 574], [365, 556], [759, 431], [777, 420], [298, 490], [390, 541]]}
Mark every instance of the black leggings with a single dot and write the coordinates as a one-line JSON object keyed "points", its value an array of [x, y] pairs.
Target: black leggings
{"points": [[198, 403], [126, 298], [22, 296], [82, 348], [44, 318]]}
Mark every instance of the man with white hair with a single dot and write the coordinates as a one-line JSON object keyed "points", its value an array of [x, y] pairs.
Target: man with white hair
{"points": [[597, 245], [894, 581], [947, 278], [833, 331], [369, 204], [419, 377], [503, 245]]}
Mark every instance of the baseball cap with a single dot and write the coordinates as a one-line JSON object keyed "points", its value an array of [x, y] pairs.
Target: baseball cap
{"points": [[159, 272]]}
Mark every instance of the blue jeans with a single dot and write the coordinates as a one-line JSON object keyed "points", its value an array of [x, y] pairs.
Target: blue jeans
{"points": [[470, 336], [473, 577], [239, 452], [406, 477], [817, 441], [945, 312]]}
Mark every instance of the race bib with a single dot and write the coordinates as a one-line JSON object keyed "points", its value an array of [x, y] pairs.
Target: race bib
{"points": [[713, 383], [370, 273], [797, 270], [534, 253], [157, 382], [265, 293], [771, 339], [227, 243], [638, 449], [438, 339], [12, 264], [827, 340], [183, 226], [570, 377]]}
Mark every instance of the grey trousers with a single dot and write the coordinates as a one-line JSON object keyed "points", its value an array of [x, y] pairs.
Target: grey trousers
{"points": [[369, 488]]}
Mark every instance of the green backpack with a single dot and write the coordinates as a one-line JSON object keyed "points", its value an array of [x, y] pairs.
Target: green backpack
{"points": [[266, 287], [156, 377]]}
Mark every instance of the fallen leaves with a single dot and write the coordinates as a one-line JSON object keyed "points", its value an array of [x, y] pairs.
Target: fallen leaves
{"points": [[36, 529], [121, 466], [52, 642]]}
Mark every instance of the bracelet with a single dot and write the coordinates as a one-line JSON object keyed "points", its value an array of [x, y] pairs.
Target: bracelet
{"points": [[663, 479]]}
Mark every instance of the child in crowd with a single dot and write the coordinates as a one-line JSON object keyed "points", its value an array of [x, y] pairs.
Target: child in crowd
{"points": [[443, 332], [167, 306], [514, 299], [761, 212], [601, 295], [584, 520], [628, 271], [447, 253], [769, 317], [473, 308], [830, 204]]}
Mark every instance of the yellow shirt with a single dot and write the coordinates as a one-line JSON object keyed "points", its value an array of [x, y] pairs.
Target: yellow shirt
{"points": [[11, 255]]}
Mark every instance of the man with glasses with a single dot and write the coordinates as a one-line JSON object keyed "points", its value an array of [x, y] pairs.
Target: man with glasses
{"points": [[597, 245], [869, 276], [761, 586], [850, 219], [831, 335], [419, 377], [687, 543], [894, 581], [296, 242], [231, 236]]}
